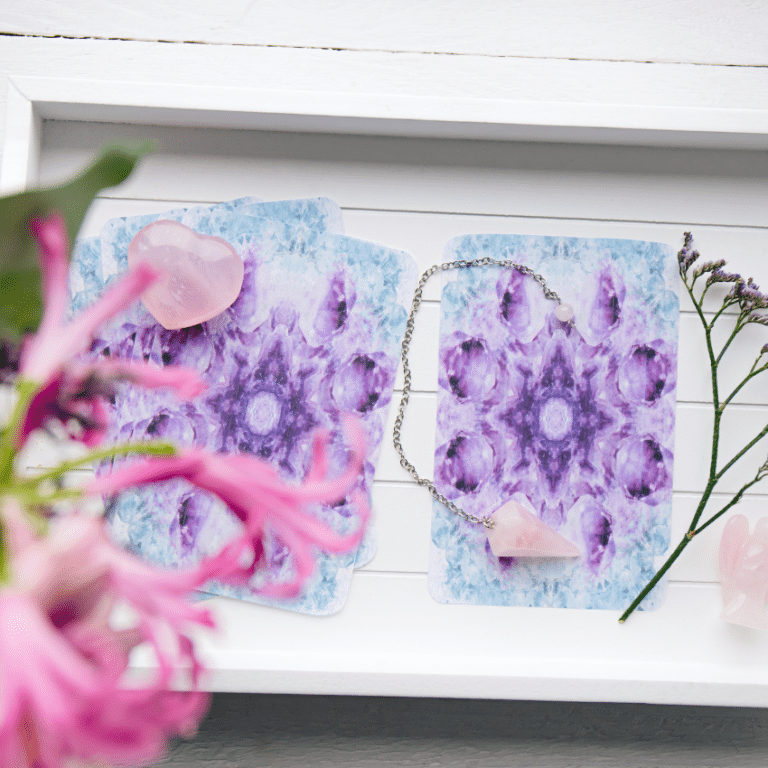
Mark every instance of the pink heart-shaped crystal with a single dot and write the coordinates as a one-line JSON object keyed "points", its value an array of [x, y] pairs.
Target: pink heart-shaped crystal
{"points": [[202, 275]]}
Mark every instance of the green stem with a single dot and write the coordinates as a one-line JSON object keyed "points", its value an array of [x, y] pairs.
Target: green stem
{"points": [[30, 499], [716, 316], [25, 391], [708, 337], [751, 375], [763, 432], [714, 474], [739, 325], [761, 473], [156, 448], [718, 413], [732, 503], [657, 577]]}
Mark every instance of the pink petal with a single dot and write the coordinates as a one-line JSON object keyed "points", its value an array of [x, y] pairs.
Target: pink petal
{"points": [[66, 683], [322, 535], [46, 354], [318, 467], [185, 381], [51, 236], [183, 465], [255, 493], [99, 416]]}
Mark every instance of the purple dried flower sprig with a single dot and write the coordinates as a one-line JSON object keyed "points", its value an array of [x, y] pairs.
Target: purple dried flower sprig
{"points": [[747, 295], [750, 301], [718, 276], [708, 266], [686, 256], [744, 293]]}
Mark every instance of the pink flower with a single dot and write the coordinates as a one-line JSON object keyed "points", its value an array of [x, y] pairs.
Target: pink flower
{"points": [[76, 398], [256, 494], [62, 664], [63, 694], [73, 393]]}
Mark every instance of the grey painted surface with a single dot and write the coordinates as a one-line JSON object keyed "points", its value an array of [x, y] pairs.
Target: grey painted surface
{"points": [[248, 730]]}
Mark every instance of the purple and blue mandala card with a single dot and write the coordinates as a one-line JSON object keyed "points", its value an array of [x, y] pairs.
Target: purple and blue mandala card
{"points": [[575, 423], [314, 334]]}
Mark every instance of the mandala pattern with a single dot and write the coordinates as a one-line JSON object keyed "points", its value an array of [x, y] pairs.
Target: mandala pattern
{"points": [[269, 390], [577, 421], [310, 338]]}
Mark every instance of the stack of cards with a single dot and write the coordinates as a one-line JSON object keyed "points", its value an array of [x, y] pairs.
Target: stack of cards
{"points": [[315, 333]]}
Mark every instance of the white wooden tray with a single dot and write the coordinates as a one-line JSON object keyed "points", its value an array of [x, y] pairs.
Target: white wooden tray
{"points": [[411, 173]]}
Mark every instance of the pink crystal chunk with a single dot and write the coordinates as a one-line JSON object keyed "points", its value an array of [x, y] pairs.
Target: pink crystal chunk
{"points": [[519, 533], [744, 572], [202, 275]]}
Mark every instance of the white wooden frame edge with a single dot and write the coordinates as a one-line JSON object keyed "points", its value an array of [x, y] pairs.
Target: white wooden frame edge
{"points": [[33, 99]]}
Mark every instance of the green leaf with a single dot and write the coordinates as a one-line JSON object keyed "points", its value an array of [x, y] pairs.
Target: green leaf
{"points": [[20, 295]]}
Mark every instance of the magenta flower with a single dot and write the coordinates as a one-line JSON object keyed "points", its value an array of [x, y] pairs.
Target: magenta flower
{"points": [[48, 352], [77, 397], [256, 494], [74, 394], [63, 694]]}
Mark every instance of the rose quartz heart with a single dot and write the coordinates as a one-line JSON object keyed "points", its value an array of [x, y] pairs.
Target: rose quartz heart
{"points": [[202, 275]]}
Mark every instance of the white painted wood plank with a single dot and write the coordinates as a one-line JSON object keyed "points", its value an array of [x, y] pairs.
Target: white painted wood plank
{"points": [[479, 80], [448, 176], [402, 507], [700, 31], [409, 74], [403, 518]]}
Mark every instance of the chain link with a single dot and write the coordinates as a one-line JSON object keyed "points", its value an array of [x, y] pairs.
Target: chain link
{"points": [[486, 261]]}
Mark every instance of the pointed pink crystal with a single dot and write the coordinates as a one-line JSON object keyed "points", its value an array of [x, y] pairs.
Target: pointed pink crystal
{"points": [[519, 533], [744, 572], [202, 275]]}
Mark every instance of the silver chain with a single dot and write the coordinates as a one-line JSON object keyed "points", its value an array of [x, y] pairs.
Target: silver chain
{"points": [[486, 261]]}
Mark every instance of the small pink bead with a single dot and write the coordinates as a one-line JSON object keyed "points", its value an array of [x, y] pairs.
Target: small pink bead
{"points": [[564, 313]]}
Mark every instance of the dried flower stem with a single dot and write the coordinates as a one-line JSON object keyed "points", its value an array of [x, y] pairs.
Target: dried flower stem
{"points": [[746, 296]]}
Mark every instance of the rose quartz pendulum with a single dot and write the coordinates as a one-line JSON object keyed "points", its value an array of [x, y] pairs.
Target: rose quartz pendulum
{"points": [[744, 572], [519, 533], [201, 275]]}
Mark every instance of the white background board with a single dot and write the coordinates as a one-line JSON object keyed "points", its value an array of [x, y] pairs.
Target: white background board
{"points": [[415, 194]]}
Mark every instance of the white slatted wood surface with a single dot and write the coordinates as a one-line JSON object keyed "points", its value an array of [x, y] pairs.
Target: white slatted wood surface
{"points": [[415, 194], [641, 30]]}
